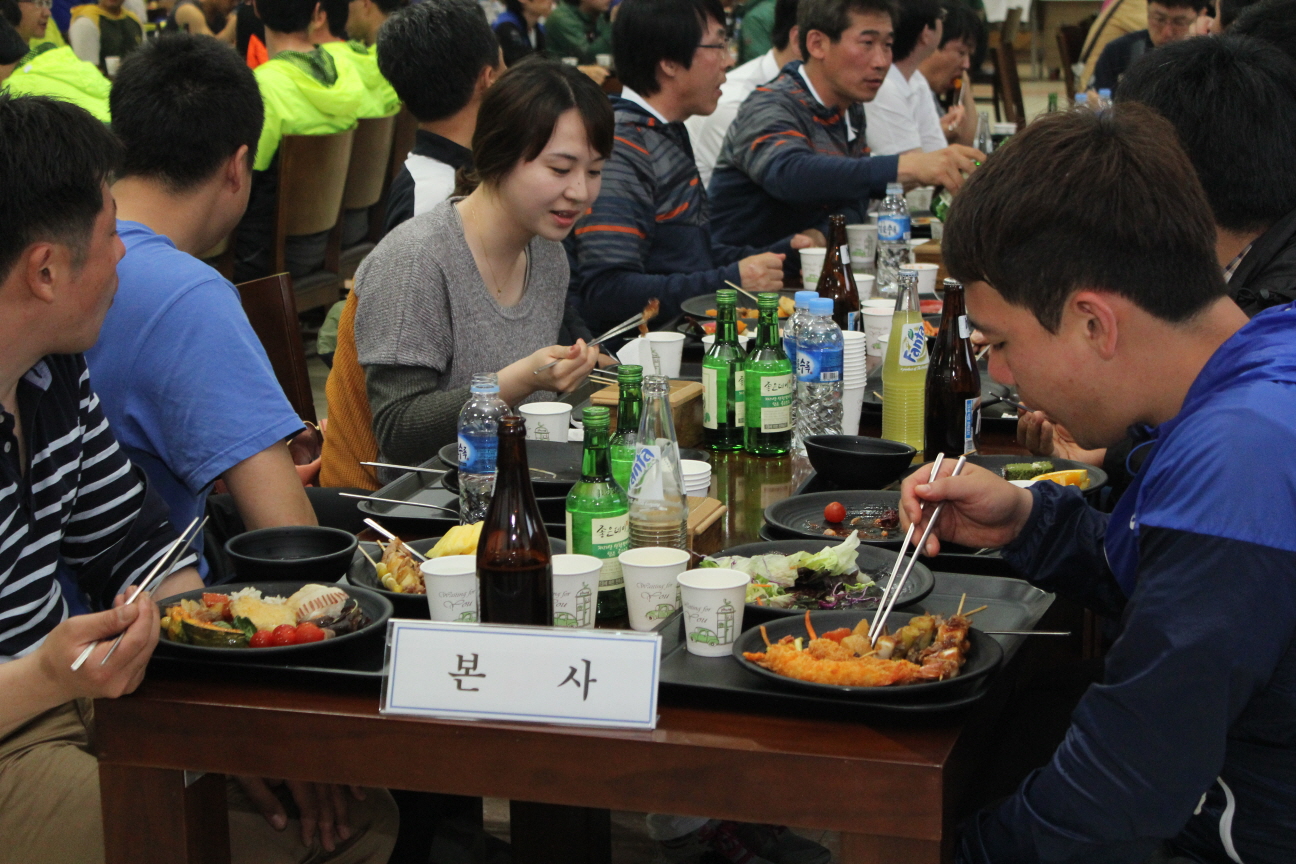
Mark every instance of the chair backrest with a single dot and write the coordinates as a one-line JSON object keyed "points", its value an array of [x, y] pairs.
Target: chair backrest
{"points": [[402, 139], [312, 177], [1011, 25], [1010, 92], [1068, 73], [367, 171], [272, 311]]}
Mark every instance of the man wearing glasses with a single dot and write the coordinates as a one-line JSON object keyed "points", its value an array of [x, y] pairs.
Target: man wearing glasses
{"points": [[50, 70], [1168, 21]]}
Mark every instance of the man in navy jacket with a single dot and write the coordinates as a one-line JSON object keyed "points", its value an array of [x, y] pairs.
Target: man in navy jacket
{"points": [[1187, 748]]}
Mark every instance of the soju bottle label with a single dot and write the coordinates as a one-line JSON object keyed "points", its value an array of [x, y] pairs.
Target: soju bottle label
{"points": [[740, 397], [819, 365], [913, 347], [715, 392], [773, 400], [604, 537], [477, 453]]}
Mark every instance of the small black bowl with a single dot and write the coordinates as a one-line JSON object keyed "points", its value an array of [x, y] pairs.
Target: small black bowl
{"points": [[856, 462], [294, 552]]}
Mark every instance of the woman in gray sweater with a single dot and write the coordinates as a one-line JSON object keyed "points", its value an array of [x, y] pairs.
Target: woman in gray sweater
{"points": [[479, 284]]}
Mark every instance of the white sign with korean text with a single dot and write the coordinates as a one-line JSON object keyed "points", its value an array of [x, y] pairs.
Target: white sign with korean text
{"points": [[522, 674]]}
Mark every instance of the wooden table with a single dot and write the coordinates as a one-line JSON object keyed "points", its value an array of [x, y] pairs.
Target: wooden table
{"points": [[894, 789]]}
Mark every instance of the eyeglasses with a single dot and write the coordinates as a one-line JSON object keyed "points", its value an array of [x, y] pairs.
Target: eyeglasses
{"points": [[1179, 22]]}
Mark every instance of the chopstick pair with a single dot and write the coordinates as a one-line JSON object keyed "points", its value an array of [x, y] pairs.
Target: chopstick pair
{"points": [[397, 501], [390, 536], [405, 467], [892, 590], [628, 324], [160, 571]]}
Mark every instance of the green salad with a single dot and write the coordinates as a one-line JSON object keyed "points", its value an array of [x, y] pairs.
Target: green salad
{"points": [[827, 579]]}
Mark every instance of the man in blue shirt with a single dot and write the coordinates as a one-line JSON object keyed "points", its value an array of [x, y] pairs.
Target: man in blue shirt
{"points": [[1187, 747]]}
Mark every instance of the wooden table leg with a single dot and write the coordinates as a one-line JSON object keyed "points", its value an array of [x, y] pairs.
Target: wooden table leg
{"points": [[150, 817], [555, 834], [872, 849]]}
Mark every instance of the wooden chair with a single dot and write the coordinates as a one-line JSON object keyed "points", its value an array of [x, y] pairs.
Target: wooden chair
{"points": [[402, 141], [271, 307], [1070, 39], [367, 179], [312, 179]]}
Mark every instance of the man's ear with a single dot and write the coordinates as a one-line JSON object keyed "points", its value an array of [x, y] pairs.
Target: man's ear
{"points": [[237, 171], [817, 43], [1096, 312], [45, 266]]}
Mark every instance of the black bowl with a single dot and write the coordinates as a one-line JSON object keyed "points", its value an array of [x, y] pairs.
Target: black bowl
{"points": [[857, 462], [305, 552]]}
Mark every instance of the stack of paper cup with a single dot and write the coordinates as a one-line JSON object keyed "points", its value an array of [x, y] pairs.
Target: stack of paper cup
{"points": [[812, 261], [697, 477], [877, 324], [854, 379]]}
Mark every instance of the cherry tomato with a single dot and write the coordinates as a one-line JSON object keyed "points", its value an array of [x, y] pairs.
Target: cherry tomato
{"points": [[284, 634], [308, 632], [260, 639], [835, 512]]}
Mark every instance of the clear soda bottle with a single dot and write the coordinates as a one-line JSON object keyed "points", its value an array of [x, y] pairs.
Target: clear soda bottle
{"points": [[478, 446], [893, 240], [819, 373], [658, 506]]}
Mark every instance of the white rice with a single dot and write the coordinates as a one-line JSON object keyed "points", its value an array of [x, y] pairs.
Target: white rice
{"points": [[255, 593]]}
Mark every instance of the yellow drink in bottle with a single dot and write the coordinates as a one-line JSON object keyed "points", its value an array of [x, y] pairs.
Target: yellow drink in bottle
{"points": [[904, 370]]}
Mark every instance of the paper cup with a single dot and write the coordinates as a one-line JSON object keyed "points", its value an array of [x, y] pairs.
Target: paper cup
{"points": [[652, 594], [865, 282], [812, 261], [852, 405], [111, 65], [451, 582], [604, 60], [665, 351], [919, 200], [575, 590], [629, 353], [709, 340], [863, 241], [713, 601], [926, 278], [546, 421], [877, 324]]}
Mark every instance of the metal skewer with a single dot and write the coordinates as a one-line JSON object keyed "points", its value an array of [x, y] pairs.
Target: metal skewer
{"points": [[615, 331], [390, 536], [405, 467], [879, 620], [397, 501], [160, 571]]}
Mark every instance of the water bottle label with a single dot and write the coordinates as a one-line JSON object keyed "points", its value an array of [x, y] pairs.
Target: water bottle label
{"points": [[965, 329], [774, 401], [477, 453], [819, 365], [893, 228], [913, 347], [740, 398], [971, 423]]}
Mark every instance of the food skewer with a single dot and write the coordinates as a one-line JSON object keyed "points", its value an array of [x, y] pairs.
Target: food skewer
{"points": [[390, 536], [886, 590], [913, 558], [406, 467], [750, 296], [160, 571], [398, 501], [365, 553]]}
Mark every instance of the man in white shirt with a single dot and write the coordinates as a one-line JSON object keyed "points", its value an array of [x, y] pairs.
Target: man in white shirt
{"points": [[903, 117], [707, 133]]}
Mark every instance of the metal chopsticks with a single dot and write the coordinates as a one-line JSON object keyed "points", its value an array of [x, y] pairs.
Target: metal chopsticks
{"points": [[628, 324], [405, 467], [160, 571], [390, 536], [397, 501], [893, 589]]}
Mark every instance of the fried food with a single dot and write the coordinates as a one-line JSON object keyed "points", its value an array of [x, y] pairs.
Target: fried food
{"points": [[649, 313]]}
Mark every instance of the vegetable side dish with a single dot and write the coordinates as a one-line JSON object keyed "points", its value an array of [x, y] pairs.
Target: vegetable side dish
{"points": [[247, 619]]}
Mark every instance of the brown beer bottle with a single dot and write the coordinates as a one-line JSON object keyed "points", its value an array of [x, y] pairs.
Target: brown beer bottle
{"points": [[514, 571], [837, 281], [953, 415]]}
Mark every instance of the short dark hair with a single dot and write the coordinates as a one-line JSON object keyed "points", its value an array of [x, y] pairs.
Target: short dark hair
{"points": [[915, 17], [337, 12], [1229, 10], [647, 32], [520, 111], [832, 17], [1080, 199], [181, 106], [286, 16], [432, 54], [1233, 102], [1182, 4], [12, 46], [961, 24], [390, 6], [10, 12], [785, 15], [54, 162], [1274, 21]]}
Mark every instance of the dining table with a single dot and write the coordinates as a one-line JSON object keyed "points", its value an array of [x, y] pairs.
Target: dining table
{"points": [[894, 786]]}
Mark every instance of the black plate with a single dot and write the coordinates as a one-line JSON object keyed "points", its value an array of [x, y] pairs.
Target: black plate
{"points": [[794, 515], [697, 306], [1097, 476], [376, 607], [916, 587], [984, 656], [362, 574], [562, 459]]}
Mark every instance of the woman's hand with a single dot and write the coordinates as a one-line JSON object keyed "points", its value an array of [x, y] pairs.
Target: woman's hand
{"points": [[981, 508], [519, 380]]}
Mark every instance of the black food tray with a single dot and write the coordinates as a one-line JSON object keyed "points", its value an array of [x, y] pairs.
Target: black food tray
{"points": [[417, 486], [358, 663]]}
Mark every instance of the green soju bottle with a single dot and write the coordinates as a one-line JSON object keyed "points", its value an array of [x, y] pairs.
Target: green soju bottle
{"points": [[768, 383], [598, 514], [630, 381], [723, 397]]}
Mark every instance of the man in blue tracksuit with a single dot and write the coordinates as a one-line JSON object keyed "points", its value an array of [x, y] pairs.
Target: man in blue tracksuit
{"points": [[1110, 314]]}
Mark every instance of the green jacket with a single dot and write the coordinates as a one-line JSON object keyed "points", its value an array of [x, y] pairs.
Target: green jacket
{"points": [[56, 72], [756, 35], [380, 99], [571, 33], [305, 94]]}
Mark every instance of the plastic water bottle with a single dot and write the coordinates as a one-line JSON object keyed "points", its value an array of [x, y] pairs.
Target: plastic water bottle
{"points": [[478, 446], [893, 240], [795, 320], [819, 373], [1104, 99], [1081, 100]]}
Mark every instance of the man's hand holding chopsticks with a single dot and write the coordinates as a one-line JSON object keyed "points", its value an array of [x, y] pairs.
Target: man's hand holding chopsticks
{"points": [[124, 670], [981, 508]]}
